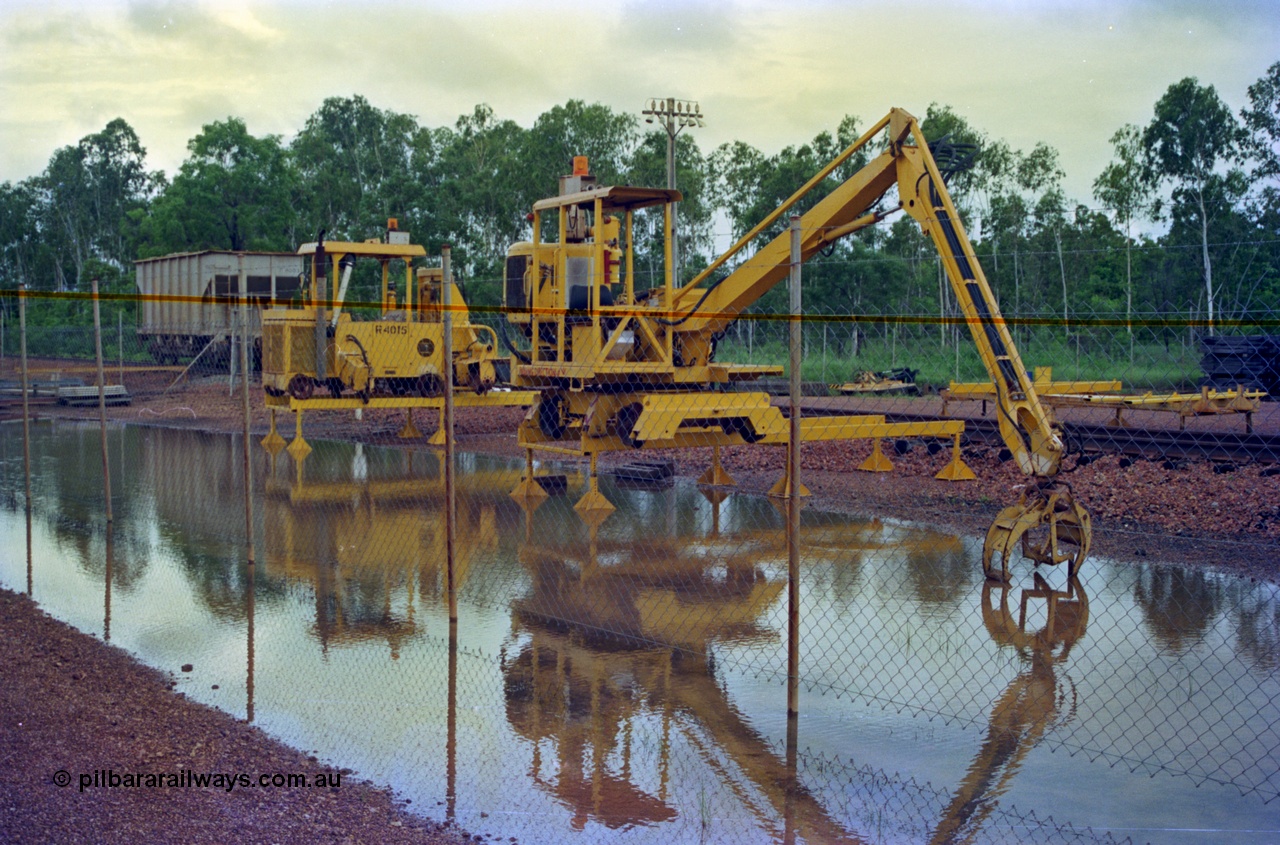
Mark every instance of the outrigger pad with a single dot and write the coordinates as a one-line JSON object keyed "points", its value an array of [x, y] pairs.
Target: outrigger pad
{"points": [[273, 442], [781, 489], [877, 462], [408, 431], [594, 508], [529, 489], [299, 449], [716, 476], [956, 470]]}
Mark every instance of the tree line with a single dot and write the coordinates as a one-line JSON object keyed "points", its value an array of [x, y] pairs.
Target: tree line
{"points": [[1204, 177]]}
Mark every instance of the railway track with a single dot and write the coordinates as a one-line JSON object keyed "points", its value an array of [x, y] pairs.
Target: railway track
{"points": [[1179, 445], [1150, 435], [1150, 444]]}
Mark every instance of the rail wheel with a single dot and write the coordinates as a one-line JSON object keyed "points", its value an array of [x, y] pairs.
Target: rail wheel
{"points": [[625, 423], [553, 415], [430, 385], [302, 387]]}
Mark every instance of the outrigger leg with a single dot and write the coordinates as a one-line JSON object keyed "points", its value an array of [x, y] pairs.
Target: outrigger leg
{"points": [[273, 442], [408, 431], [528, 489], [957, 470], [593, 502], [716, 476], [299, 448]]}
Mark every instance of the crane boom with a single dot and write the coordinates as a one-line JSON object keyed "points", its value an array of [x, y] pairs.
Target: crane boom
{"points": [[907, 164], [615, 362]]}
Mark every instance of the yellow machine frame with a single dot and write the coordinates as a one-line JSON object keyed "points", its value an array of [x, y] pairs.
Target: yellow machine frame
{"points": [[619, 374], [399, 353], [1107, 394], [395, 361]]}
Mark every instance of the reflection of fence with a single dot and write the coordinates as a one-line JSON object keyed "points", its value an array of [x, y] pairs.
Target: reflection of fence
{"points": [[632, 678]]}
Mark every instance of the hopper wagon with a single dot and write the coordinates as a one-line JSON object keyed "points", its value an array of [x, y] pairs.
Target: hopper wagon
{"points": [[189, 300]]}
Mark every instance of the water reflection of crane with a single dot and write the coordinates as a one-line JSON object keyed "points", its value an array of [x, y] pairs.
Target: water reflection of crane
{"points": [[671, 593], [361, 537], [1035, 702], [683, 588], [586, 698], [561, 690], [612, 639]]}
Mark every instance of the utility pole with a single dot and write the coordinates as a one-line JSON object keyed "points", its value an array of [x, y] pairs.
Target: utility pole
{"points": [[673, 115]]}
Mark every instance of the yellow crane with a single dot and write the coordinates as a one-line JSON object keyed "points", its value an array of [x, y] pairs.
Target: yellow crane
{"points": [[619, 365]]}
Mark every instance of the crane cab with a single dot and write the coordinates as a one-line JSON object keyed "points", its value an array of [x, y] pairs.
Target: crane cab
{"points": [[571, 295]]}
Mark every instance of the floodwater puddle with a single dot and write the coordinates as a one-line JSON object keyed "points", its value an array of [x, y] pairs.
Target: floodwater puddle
{"points": [[626, 681]]}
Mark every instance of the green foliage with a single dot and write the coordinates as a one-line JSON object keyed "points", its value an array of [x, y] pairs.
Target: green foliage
{"points": [[1192, 137], [1262, 125], [352, 165], [21, 247], [86, 196], [750, 185], [233, 192], [481, 213], [1125, 186], [941, 122], [606, 138], [648, 168], [1192, 131]]}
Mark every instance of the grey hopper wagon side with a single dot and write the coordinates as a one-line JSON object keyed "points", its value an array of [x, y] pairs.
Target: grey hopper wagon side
{"points": [[189, 299]]}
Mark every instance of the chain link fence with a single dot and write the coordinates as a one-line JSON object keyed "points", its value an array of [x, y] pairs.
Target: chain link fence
{"points": [[548, 673]]}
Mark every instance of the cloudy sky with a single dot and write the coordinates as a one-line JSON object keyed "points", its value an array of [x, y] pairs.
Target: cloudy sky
{"points": [[768, 73]]}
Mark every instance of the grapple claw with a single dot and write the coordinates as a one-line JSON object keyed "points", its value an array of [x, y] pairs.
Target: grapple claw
{"points": [[1051, 525]]}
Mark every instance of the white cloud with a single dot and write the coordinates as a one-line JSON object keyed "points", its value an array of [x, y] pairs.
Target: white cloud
{"points": [[766, 73]]}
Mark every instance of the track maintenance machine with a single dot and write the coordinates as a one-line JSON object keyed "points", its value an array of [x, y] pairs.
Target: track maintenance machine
{"points": [[399, 353], [618, 366], [394, 361]]}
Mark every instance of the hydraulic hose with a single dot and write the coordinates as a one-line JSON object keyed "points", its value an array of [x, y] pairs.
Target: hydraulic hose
{"points": [[522, 357], [694, 310]]}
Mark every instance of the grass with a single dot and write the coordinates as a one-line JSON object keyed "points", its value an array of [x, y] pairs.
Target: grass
{"points": [[1090, 353], [1153, 366], [75, 342]]}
